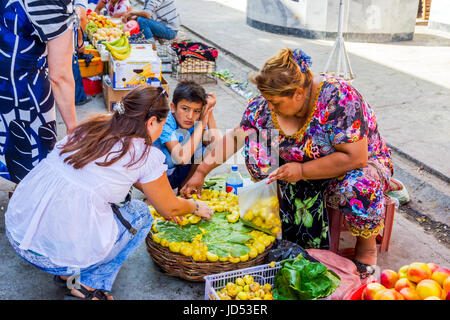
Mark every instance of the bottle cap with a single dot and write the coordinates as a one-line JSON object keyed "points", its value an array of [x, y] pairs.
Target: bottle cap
{"points": [[234, 168]]}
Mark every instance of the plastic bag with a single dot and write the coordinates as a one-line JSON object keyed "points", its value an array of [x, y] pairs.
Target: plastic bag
{"points": [[400, 195], [259, 207], [284, 249]]}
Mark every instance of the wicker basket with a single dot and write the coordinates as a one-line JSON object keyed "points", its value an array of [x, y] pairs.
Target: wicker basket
{"points": [[95, 68], [176, 264]]}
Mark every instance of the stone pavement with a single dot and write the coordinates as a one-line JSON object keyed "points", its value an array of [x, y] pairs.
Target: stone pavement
{"points": [[139, 277], [406, 82]]}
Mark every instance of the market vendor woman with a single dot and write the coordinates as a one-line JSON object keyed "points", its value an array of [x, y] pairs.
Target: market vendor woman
{"points": [[60, 218], [329, 151]]}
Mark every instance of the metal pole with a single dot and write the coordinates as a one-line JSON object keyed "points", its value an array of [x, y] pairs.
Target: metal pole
{"points": [[341, 53]]}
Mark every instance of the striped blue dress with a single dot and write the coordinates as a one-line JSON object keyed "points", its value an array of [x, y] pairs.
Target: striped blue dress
{"points": [[27, 106]]}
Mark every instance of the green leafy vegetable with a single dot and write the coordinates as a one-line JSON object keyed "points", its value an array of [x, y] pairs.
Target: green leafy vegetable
{"points": [[300, 279], [173, 232], [221, 237], [224, 238]]}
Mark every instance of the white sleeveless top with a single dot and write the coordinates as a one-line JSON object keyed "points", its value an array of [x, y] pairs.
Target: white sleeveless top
{"points": [[64, 214]]}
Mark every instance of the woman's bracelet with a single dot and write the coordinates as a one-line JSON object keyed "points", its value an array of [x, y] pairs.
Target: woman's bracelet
{"points": [[196, 207]]}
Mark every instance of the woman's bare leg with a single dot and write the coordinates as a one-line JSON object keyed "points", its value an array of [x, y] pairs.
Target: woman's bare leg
{"points": [[366, 250]]}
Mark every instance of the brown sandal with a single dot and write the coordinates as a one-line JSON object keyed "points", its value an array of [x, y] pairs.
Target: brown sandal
{"points": [[88, 295], [363, 269]]}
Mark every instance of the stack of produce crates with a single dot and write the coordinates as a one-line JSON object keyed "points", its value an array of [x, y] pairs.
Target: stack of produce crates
{"points": [[262, 274]]}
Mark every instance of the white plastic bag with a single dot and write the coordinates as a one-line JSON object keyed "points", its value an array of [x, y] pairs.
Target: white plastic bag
{"points": [[259, 207]]}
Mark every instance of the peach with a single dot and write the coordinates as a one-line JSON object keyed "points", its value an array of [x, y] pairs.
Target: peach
{"points": [[440, 274], [388, 294], [402, 271], [446, 284], [409, 294], [404, 283], [418, 271], [432, 266], [427, 288], [388, 278], [371, 290]]}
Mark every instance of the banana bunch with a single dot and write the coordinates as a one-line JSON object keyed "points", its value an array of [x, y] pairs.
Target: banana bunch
{"points": [[120, 49]]}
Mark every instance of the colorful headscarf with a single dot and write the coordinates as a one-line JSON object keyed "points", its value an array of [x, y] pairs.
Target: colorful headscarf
{"points": [[302, 59]]}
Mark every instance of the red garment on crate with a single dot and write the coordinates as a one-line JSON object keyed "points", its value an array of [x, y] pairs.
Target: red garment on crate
{"points": [[194, 49], [345, 269]]}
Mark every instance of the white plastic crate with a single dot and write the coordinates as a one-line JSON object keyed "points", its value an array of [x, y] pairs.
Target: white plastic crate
{"points": [[262, 274]]}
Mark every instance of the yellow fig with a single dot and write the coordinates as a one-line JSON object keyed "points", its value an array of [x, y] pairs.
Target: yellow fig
{"points": [[240, 282], [248, 279], [253, 252], [242, 296], [211, 256]]}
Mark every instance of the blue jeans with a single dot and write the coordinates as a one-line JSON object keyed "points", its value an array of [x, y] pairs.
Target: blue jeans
{"points": [[150, 28], [102, 274], [80, 95], [178, 175]]}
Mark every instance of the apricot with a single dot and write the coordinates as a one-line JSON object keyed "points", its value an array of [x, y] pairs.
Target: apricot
{"points": [[409, 294], [388, 294], [446, 284], [388, 278], [371, 290], [432, 266], [418, 271], [440, 274], [427, 288], [402, 271], [404, 283]]}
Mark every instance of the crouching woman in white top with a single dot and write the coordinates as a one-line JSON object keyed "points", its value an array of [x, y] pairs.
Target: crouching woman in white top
{"points": [[60, 218]]}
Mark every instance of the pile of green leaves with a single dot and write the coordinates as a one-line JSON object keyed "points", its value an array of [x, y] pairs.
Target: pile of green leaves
{"points": [[172, 231], [215, 183], [300, 279], [221, 237]]}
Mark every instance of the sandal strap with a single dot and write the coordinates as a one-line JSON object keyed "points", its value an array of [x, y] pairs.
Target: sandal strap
{"points": [[363, 269], [89, 295]]}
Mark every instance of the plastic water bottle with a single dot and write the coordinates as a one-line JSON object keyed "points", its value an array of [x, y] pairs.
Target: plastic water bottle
{"points": [[234, 181]]}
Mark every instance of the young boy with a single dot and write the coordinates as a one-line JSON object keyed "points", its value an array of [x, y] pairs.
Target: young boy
{"points": [[184, 137]]}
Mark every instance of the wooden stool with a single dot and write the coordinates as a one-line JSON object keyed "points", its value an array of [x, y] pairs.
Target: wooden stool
{"points": [[337, 224]]}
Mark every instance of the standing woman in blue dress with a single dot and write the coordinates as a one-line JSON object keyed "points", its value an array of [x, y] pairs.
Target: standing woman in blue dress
{"points": [[36, 47]]}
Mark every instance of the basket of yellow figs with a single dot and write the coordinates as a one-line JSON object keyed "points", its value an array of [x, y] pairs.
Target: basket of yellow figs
{"points": [[191, 248]]}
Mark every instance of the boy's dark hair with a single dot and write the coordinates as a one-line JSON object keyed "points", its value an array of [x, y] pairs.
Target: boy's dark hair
{"points": [[190, 91]]}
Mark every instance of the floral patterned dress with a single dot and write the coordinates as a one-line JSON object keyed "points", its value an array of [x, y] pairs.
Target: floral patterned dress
{"points": [[340, 115]]}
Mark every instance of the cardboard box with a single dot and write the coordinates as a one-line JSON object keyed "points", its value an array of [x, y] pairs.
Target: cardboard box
{"points": [[111, 96], [142, 66]]}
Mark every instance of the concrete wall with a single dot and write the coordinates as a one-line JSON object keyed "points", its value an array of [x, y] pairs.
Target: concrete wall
{"points": [[440, 15], [364, 20]]}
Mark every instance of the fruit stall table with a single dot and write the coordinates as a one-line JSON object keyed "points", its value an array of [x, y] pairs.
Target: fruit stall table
{"points": [[121, 51]]}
